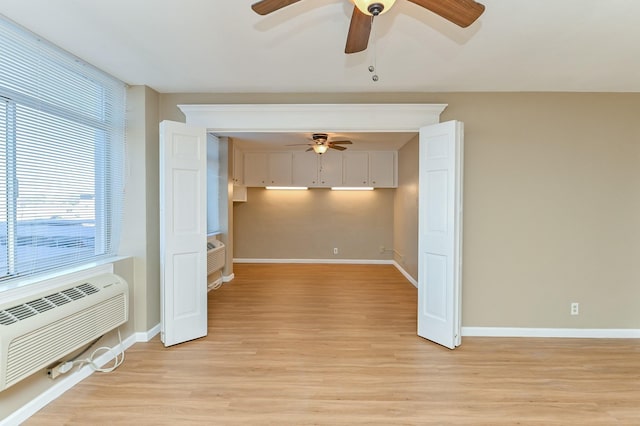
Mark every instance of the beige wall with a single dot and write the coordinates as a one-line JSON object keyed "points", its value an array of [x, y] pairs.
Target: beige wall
{"points": [[309, 224], [152, 195], [140, 237], [551, 201], [551, 209], [405, 209]]}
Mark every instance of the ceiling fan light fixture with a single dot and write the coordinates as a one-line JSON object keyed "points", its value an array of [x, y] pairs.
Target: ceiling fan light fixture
{"points": [[320, 148], [373, 7]]}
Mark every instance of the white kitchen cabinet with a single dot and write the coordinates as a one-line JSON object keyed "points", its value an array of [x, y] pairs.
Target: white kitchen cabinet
{"points": [[355, 168], [267, 168], [305, 168], [333, 168], [311, 169], [330, 169], [382, 169], [255, 169], [237, 174], [279, 168]]}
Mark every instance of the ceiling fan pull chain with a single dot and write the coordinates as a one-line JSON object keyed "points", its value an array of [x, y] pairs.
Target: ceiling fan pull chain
{"points": [[374, 38]]}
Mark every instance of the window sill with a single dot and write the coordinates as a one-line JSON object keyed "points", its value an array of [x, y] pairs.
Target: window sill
{"points": [[28, 286]]}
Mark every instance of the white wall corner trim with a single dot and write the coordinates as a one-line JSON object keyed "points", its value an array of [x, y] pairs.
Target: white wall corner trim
{"points": [[406, 274], [318, 261], [591, 333], [302, 117]]}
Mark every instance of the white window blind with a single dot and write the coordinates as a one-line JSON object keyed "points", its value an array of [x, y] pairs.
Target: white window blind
{"points": [[61, 155]]}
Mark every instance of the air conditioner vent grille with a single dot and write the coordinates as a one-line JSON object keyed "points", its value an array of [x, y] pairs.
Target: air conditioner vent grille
{"points": [[41, 305], [34, 307], [87, 288], [73, 293], [58, 299], [6, 318], [22, 312]]}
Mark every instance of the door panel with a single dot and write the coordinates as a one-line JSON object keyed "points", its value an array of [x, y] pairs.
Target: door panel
{"points": [[183, 228], [440, 233]]}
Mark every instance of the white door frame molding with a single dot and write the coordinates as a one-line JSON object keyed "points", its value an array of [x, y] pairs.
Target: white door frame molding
{"points": [[302, 117]]}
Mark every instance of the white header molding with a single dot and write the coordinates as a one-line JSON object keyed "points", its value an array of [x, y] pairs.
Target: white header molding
{"points": [[303, 117]]}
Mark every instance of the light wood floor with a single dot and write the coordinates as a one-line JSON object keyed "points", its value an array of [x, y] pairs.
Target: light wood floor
{"points": [[336, 345]]}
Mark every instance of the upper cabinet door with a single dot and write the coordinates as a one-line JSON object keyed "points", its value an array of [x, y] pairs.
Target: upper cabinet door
{"points": [[305, 169], [255, 169], [279, 168], [355, 171], [238, 166], [382, 169], [330, 173]]}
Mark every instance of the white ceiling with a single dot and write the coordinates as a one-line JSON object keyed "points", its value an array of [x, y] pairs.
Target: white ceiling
{"points": [[223, 46]]}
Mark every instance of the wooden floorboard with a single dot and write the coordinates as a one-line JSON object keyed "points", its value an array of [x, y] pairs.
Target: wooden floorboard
{"points": [[337, 345]]}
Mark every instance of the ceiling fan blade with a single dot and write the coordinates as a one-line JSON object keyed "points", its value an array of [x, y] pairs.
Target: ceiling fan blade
{"points": [[265, 7], [461, 12], [359, 31], [307, 150], [298, 144], [338, 147], [342, 142]]}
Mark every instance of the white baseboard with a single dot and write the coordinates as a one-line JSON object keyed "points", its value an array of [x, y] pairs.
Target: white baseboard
{"points": [[334, 261], [406, 274], [145, 336], [595, 333], [319, 261], [63, 384]]}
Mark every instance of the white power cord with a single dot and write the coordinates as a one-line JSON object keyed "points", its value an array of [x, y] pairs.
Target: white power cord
{"points": [[215, 285], [91, 360], [66, 366]]}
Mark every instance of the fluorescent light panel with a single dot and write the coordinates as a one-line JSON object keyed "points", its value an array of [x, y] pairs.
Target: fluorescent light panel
{"points": [[352, 188], [288, 188]]}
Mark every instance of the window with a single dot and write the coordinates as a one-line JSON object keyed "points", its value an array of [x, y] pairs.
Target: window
{"points": [[61, 153]]}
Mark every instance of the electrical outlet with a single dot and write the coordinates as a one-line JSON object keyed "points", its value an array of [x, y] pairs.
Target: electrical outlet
{"points": [[575, 308], [335, 250]]}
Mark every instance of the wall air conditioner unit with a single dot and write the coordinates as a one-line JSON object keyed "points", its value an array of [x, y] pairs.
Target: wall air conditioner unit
{"points": [[215, 262], [39, 330]]}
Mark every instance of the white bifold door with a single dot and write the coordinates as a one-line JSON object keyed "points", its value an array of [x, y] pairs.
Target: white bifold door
{"points": [[440, 233], [183, 232]]}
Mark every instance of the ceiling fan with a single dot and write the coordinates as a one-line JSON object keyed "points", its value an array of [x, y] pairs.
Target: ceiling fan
{"points": [[320, 143], [461, 12]]}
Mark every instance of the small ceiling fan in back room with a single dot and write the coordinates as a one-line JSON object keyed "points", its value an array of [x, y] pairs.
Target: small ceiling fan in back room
{"points": [[461, 12], [320, 143]]}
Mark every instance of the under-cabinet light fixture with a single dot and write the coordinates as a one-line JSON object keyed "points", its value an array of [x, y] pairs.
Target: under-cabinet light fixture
{"points": [[288, 188], [352, 188]]}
